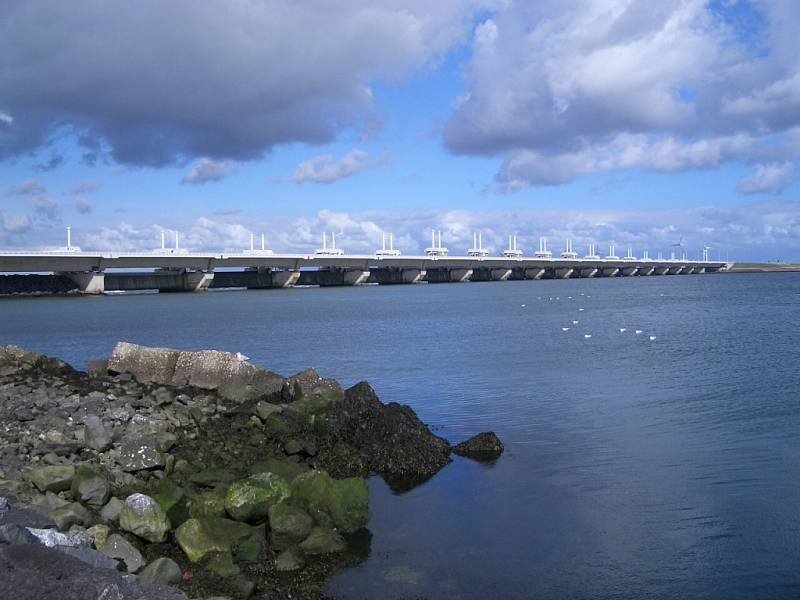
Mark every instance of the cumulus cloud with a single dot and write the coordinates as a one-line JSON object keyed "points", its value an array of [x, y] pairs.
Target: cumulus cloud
{"points": [[564, 88], [327, 169], [207, 170], [15, 224], [768, 178], [83, 205], [29, 187], [231, 80]]}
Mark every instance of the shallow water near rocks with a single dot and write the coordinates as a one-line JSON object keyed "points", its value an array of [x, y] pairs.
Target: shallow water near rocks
{"points": [[633, 468]]}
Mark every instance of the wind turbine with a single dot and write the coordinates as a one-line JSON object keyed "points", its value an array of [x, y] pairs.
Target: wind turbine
{"points": [[679, 245]]}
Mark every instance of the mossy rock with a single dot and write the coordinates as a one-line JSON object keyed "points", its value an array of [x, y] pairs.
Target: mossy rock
{"points": [[199, 537], [143, 516], [212, 477], [89, 487], [288, 525], [322, 541], [249, 499], [209, 504], [172, 498], [221, 563], [287, 469], [337, 503], [52, 478], [276, 426]]}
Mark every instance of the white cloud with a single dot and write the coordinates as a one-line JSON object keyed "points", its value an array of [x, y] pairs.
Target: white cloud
{"points": [[326, 169], [563, 88], [15, 224], [84, 187], [46, 206], [774, 177], [29, 187], [207, 170], [83, 205]]}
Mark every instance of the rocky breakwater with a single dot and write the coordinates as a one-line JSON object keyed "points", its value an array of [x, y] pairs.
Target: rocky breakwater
{"points": [[170, 474]]}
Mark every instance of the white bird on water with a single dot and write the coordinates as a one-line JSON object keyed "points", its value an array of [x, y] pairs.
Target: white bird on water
{"points": [[580, 310], [652, 338], [622, 330], [523, 306], [565, 329], [587, 335], [639, 332], [575, 322], [242, 357]]}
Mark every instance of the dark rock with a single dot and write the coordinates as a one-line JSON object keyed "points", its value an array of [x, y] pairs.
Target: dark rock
{"points": [[139, 453], [484, 446], [111, 511], [288, 525], [69, 515], [95, 435], [52, 478], [90, 488], [291, 559], [162, 571], [91, 557], [14, 534], [336, 503], [118, 547], [322, 541], [98, 368]]}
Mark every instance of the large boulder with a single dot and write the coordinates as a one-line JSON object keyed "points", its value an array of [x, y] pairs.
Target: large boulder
{"points": [[234, 378], [162, 571], [144, 517], [70, 514], [147, 365], [52, 478], [361, 435], [337, 503], [118, 547], [312, 391], [96, 435], [250, 499], [288, 469], [484, 446], [288, 525], [199, 537], [140, 452]]}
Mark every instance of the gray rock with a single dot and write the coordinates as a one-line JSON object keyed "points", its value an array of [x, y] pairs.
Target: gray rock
{"points": [[139, 453], [118, 547], [69, 515], [93, 558], [290, 559], [156, 365], [99, 534], [53, 478], [288, 525], [51, 537], [144, 517], [95, 435], [110, 512], [264, 409], [162, 571], [90, 488], [14, 534], [98, 368]]}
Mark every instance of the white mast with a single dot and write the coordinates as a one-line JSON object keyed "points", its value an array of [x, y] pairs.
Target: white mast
{"points": [[263, 243], [176, 240], [163, 240], [69, 238]]}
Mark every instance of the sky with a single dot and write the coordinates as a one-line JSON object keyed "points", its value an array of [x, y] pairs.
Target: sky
{"points": [[645, 123]]}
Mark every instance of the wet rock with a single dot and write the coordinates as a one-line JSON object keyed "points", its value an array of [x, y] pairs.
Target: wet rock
{"points": [[288, 525], [322, 541], [118, 547], [51, 537], [209, 504], [222, 564], [95, 435], [110, 512], [249, 499], [93, 558], [264, 409], [90, 488], [212, 477], [342, 504], [53, 478], [143, 516], [281, 467], [199, 537], [291, 559], [362, 435], [162, 571], [484, 446]]}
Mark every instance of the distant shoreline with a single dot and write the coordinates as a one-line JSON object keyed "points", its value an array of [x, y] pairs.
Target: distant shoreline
{"points": [[752, 267]]}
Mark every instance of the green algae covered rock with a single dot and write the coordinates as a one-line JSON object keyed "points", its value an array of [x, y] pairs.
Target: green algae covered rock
{"points": [[281, 467], [144, 517], [52, 478], [322, 541], [249, 499], [209, 504], [199, 537], [288, 525], [90, 487], [337, 503]]}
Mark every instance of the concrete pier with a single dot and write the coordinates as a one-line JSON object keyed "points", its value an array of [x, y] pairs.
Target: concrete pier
{"points": [[609, 271], [536, 273], [88, 283], [563, 273], [629, 271]]}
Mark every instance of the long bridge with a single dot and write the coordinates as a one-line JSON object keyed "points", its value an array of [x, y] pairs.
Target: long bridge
{"points": [[172, 270]]}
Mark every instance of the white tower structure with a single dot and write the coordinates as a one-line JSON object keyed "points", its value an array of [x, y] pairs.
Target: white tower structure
{"points": [[255, 252], [543, 252], [568, 253], [592, 254], [477, 246], [629, 255], [512, 251], [390, 251], [69, 247], [436, 249], [611, 254], [333, 250]]}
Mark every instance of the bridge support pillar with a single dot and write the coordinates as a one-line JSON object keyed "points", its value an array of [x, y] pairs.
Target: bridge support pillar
{"points": [[197, 281], [285, 279], [609, 271], [413, 275], [460, 275], [355, 277], [586, 273], [93, 282], [534, 273], [501, 274], [629, 271], [644, 271], [660, 270], [675, 270], [563, 273]]}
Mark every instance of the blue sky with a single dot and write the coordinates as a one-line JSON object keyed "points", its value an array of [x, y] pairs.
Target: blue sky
{"points": [[597, 120]]}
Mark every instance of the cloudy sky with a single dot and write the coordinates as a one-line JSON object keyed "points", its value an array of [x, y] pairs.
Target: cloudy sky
{"points": [[637, 121]]}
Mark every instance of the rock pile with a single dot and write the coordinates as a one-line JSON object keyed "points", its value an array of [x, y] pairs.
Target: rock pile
{"points": [[194, 469]]}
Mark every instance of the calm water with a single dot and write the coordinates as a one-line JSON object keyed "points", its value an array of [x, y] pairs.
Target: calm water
{"points": [[634, 468]]}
